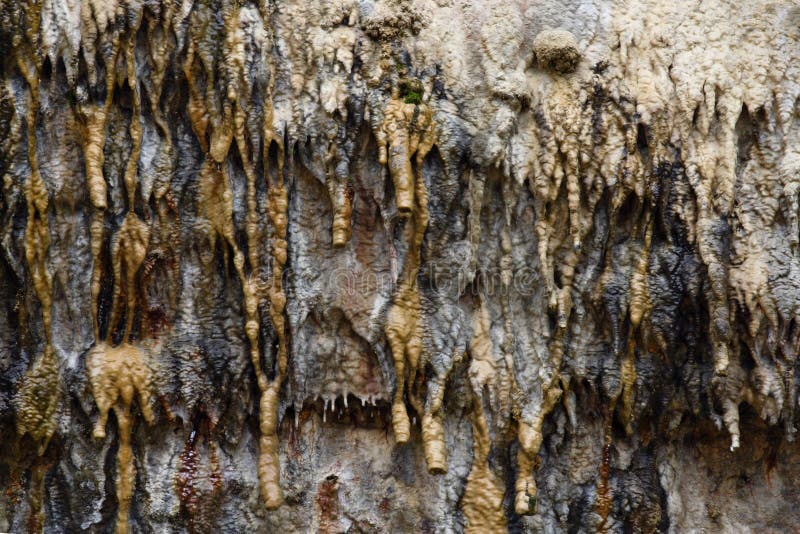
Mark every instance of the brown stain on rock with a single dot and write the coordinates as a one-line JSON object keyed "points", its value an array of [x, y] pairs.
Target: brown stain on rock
{"points": [[603, 497], [198, 480], [328, 505]]}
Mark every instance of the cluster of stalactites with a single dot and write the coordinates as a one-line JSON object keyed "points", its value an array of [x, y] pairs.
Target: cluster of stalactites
{"points": [[218, 118], [217, 123], [569, 166], [120, 373], [405, 135], [408, 132], [734, 130]]}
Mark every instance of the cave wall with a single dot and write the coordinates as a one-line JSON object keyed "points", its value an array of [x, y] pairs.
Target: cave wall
{"points": [[399, 266]]}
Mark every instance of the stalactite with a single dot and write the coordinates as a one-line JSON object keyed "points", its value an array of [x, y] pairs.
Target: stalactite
{"points": [[238, 94], [408, 130], [232, 126], [482, 502], [337, 52], [37, 230], [93, 154], [627, 385], [93, 118], [38, 396], [639, 300], [269, 464], [129, 244], [117, 375], [128, 249], [37, 399], [336, 165], [530, 440], [638, 307], [131, 169]]}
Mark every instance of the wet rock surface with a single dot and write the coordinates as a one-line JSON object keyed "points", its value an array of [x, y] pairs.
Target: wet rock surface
{"points": [[399, 266]]}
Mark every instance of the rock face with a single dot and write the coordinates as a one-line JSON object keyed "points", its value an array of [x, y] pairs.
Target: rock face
{"points": [[399, 266]]}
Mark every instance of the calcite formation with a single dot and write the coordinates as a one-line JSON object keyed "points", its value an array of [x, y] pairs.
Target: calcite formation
{"points": [[116, 375], [399, 265]]}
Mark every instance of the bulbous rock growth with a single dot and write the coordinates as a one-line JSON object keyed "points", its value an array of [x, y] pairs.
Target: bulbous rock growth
{"points": [[552, 250]]}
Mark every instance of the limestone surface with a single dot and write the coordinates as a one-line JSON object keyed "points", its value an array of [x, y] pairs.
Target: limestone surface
{"points": [[399, 266]]}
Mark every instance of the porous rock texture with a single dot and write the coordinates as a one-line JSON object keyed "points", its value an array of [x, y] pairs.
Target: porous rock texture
{"points": [[399, 266]]}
